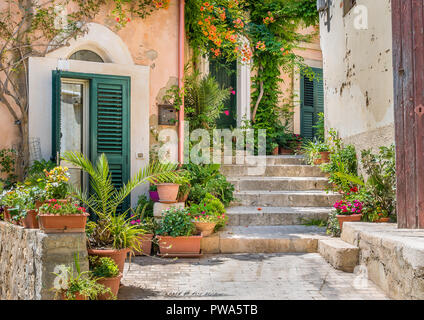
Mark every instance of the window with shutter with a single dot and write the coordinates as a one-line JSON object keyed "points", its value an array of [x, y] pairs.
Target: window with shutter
{"points": [[312, 103], [109, 122]]}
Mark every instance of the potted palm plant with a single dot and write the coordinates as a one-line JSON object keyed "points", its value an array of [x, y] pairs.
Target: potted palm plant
{"points": [[112, 235], [176, 233]]}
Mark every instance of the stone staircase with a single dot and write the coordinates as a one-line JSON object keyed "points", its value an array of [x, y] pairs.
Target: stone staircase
{"points": [[272, 204]]}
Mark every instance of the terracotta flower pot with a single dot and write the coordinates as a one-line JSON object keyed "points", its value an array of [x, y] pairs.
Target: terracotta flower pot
{"points": [[205, 228], [51, 223], [30, 221], [6, 214], [348, 218], [176, 245], [168, 192], [285, 151], [117, 255], [184, 197], [154, 196], [145, 241], [113, 284], [275, 151], [325, 156], [383, 220], [317, 162]]}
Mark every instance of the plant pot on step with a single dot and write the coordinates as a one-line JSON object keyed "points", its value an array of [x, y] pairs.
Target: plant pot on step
{"points": [[317, 161], [6, 214], [117, 255], [325, 156], [30, 221], [52, 223], [348, 218], [284, 151], [184, 197], [275, 151], [145, 241], [168, 192], [205, 228], [179, 245], [154, 196], [113, 284], [383, 220], [78, 296]]}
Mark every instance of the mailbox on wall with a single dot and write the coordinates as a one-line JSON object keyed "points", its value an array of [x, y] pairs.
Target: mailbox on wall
{"points": [[168, 115]]}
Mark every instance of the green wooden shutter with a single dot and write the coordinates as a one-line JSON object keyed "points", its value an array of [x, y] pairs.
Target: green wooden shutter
{"points": [[110, 127], [312, 103], [56, 116], [226, 75]]}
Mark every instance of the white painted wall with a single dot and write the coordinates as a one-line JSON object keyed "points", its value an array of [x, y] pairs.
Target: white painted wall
{"points": [[358, 72]]}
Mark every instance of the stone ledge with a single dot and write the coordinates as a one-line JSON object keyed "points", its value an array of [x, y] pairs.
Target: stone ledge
{"points": [[394, 257], [341, 255], [28, 258]]}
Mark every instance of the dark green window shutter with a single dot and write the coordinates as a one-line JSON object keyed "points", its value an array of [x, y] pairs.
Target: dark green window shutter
{"points": [[312, 102], [56, 116], [110, 127]]}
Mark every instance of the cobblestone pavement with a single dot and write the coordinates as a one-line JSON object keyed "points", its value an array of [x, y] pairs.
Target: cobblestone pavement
{"points": [[242, 276]]}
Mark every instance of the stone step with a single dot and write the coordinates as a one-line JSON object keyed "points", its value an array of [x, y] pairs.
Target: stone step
{"points": [[270, 160], [264, 239], [340, 254], [279, 183], [272, 171], [286, 198], [274, 216]]}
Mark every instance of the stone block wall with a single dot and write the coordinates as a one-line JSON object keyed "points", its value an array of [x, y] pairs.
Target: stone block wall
{"points": [[28, 258]]}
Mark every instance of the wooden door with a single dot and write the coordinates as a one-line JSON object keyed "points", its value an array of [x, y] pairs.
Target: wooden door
{"points": [[408, 65]]}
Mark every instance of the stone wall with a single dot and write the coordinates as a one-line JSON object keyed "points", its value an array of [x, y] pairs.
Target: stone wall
{"points": [[28, 258], [394, 258]]}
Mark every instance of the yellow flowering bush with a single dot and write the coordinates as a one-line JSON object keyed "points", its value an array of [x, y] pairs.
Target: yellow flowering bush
{"points": [[57, 183]]}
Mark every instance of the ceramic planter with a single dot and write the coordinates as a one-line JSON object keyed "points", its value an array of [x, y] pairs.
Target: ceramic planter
{"points": [[179, 245], [6, 214], [325, 156], [275, 151], [145, 241], [168, 192], [30, 221], [117, 255], [113, 284], [51, 223], [285, 151], [205, 228], [184, 197], [348, 218], [154, 196], [383, 220], [317, 162]]}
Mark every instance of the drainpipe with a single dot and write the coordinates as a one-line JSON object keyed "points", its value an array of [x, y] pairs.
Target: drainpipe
{"points": [[181, 34]]}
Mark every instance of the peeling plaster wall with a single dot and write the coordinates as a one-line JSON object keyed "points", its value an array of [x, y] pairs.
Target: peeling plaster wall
{"points": [[358, 72]]}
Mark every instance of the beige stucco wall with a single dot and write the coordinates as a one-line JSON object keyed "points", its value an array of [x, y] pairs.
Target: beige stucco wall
{"points": [[358, 86]]}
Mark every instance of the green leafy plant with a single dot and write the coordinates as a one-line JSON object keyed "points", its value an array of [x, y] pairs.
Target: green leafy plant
{"points": [[70, 282], [112, 230], [36, 172], [333, 226], [103, 267], [57, 186], [210, 209], [320, 128], [7, 167], [176, 222]]}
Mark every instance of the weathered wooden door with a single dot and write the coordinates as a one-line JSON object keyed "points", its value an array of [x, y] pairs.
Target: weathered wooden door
{"points": [[408, 64]]}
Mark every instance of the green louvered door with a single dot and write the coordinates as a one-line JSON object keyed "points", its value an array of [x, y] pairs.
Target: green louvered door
{"points": [[109, 127], [109, 122], [312, 103]]}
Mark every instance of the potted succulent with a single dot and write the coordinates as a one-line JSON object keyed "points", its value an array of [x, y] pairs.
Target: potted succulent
{"points": [[112, 235], [71, 284], [176, 233], [348, 211], [106, 272], [59, 217], [209, 215]]}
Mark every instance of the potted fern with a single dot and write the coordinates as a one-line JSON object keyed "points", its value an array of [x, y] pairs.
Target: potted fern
{"points": [[112, 235]]}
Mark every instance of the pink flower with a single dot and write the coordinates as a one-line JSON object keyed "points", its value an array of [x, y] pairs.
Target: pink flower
{"points": [[133, 222], [227, 113], [233, 92]]}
